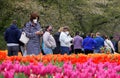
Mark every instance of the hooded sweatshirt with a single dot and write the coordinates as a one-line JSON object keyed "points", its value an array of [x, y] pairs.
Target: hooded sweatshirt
{"points": [[12, 34]]}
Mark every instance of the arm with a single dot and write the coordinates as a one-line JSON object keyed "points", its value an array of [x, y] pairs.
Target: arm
{"points": [[105, 44], [27, 31], [5, 35], [66, 39], [18, 34], [95, 43], [45, 39], [83, 43], [111, 44]]}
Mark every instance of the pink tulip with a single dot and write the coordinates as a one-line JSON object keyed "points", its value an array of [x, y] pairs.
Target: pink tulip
{"points": [[9, 74], [58, 75], [26, 70]]}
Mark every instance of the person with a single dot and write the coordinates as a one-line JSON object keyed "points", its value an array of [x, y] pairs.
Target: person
{"points": [[48, 41], [114, 42], [22, 46], [56, 37], [99, 43], [12, 35], [88, 44], [77, 42], [108, 44], [65, 40], [32, 30], [92, 35], [118, 45], [42, 44]]}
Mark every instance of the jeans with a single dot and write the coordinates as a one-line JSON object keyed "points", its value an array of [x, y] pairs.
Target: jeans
{"points": [[13, 50], [96, 51], [87, 51], [47, 50], [65, 50], [78, 51]]}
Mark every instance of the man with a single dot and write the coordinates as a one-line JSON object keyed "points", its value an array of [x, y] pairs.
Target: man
{"points": [[99, 43], [88, 44], [12, 35]]}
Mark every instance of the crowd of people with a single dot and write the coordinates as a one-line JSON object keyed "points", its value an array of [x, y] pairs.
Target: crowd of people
{"points": [[59, 43]]}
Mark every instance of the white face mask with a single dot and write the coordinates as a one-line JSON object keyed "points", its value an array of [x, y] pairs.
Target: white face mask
{"points": [[35, 21], [67, 32]]}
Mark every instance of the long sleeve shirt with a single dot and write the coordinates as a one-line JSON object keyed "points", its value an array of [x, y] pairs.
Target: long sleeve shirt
{"points": [[49, 40], [77, 41], [65, 39], [108, 44]]}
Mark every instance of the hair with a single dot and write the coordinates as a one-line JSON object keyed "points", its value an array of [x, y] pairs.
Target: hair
{"points": [[98, 33], [106, 37], [66, 28], [60, 29], [77, 33], [14, 21], [89, 34], [33, 16], [92, 35], [47, 27]]}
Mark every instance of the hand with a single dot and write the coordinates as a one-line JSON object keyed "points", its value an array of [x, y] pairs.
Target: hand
{"points": [[39, 32]]}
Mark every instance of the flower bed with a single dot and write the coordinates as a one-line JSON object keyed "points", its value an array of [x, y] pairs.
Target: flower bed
{"points": [[60, 66], [67, 70]]}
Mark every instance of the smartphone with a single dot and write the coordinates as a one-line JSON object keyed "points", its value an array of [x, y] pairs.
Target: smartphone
{"points": [[41, 30]]}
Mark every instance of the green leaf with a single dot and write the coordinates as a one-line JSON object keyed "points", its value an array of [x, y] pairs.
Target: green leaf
{"points": [[49, 76], [20, 75], [1, 76]]}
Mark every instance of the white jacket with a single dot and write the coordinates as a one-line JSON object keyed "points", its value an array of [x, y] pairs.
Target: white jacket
{"points": [[65, 39], [108, 44]]}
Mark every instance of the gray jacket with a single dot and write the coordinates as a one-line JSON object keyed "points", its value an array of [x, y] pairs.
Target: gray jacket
{"points": [[48, 40]]}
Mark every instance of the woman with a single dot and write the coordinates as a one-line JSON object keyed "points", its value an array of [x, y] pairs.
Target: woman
{"points": [[56, 36], [48, 41], [32, 30], [108, 44], [77, 42], [65, 40]]}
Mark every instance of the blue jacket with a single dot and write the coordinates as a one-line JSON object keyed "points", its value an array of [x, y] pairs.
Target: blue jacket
{"points": [[12, 34], [88, 43], [99, 42]]}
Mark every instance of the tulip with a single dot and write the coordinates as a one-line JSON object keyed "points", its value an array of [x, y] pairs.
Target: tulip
{"points": [[58, 75], [9, 74], [27, 70]]}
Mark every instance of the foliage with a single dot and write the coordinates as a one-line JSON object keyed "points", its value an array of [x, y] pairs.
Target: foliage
{"points": [[64, 66], [80, 15]]}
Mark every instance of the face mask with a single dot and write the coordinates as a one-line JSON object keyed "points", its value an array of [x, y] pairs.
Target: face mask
{"points": [[35, 21], [67, 32], [50, 29]]}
